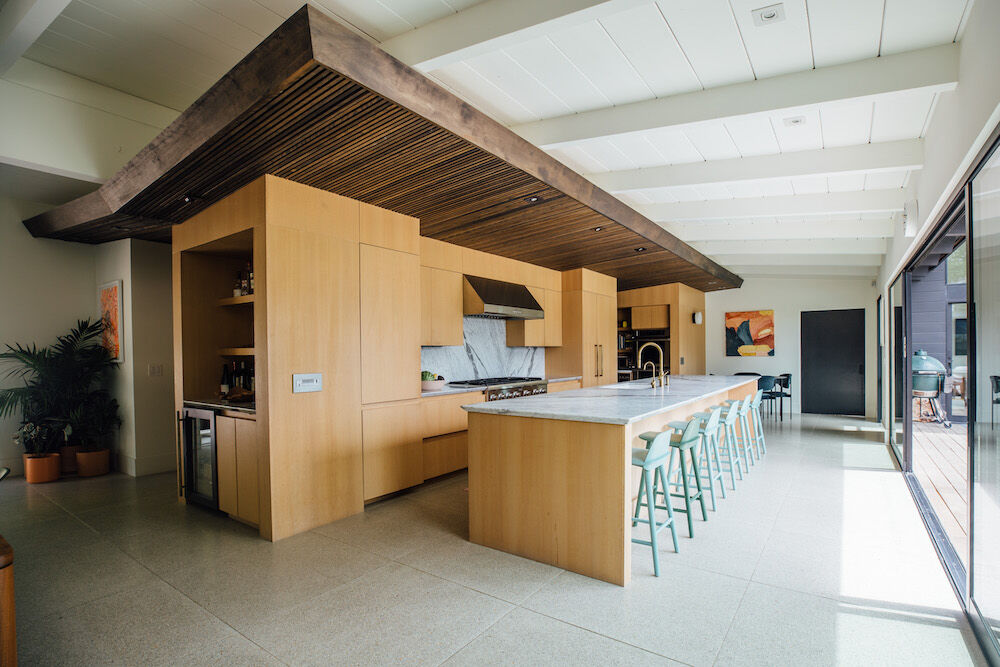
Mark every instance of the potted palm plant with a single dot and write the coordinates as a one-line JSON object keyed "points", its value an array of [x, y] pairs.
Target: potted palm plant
{"points": [[64, 395]]}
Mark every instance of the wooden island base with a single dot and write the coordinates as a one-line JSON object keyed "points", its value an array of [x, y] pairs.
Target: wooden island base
{"points": [[561, 492]]}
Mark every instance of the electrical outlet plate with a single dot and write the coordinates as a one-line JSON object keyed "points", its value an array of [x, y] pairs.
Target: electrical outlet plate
{"points": [[304, 383]]}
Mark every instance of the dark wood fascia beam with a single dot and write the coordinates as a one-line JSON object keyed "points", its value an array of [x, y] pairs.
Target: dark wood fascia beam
{"points": [[274, 64], [339, 49]]}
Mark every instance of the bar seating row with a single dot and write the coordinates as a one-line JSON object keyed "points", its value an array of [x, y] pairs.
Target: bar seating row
{"points": [[690, 458]]}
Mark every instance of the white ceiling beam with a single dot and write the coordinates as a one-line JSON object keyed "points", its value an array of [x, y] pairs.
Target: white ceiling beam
{"points": [[493, 25], [738, 259], [932, 69], [21, 23], [793, 247], [806, 271], [887, 156], [747, 230], [868, 201]]}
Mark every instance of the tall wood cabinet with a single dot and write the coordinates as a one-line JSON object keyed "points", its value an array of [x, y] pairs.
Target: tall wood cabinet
{"points": [[672, 307], [589, 342]]}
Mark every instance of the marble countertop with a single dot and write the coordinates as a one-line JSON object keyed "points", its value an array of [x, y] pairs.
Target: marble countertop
{"points": [[622, 403], [469, 390]]}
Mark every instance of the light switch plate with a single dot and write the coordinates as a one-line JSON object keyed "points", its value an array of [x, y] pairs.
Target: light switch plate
{"points": [[303, 383]]}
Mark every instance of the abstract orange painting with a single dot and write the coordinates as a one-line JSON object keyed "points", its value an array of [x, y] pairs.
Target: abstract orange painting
{"points": [[110, 298], [750, 333]]}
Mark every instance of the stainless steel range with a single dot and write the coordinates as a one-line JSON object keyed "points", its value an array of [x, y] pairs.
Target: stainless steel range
{"points": [[510, 387]]}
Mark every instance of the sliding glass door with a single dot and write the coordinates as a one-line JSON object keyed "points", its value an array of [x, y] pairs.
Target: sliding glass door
{"points": [[984, 399], [897, 377]]}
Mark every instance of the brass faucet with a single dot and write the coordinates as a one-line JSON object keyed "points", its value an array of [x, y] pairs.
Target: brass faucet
{"points": [[663, 378]]}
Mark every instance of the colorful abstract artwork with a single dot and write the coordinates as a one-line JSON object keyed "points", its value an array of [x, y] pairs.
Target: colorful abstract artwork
{"points": [[110, 299], [750, 333]]}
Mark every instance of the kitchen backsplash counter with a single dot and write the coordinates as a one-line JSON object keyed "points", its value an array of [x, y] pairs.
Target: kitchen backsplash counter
{"points": [[483, 354]]}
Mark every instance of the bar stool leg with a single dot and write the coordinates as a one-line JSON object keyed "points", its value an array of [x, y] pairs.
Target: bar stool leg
{"points": [[701, 492], [687, 495], [705, 454], [718, 464], [664, 476], [651, 513], [638, 499]]}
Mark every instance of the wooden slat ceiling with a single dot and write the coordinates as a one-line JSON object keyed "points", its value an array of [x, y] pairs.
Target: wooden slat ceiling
{"points": [[320, 106]]}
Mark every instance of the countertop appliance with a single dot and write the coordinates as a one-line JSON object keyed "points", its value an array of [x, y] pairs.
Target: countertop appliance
{"points": [[497, 389]]}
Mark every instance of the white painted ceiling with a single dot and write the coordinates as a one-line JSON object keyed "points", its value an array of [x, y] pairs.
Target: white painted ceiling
{"points": [[631, 51]]}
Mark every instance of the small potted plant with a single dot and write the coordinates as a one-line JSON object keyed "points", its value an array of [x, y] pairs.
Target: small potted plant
{"points": [[431, 381], [41, 463]]}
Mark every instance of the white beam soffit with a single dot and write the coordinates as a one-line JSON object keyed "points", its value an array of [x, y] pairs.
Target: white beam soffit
{"points": [[781, 229], [887, 156], [771, 247], [866, 201], [21, 23], [492, 25], [932, 69]]}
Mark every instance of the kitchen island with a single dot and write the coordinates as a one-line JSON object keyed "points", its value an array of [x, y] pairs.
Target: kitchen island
{"points": [[550, 476]]}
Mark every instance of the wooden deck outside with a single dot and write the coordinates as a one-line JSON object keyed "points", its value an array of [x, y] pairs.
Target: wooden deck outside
{"points": [[940, 462]]}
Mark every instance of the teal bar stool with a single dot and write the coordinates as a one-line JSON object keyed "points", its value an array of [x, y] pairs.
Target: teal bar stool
{"points": [[709, 451], [656, 460], [733, 460], [684, 443], [746, 439], [758, 424]]}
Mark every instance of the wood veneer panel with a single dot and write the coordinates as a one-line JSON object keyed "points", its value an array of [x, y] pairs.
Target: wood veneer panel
{"points": [[316, 104]]}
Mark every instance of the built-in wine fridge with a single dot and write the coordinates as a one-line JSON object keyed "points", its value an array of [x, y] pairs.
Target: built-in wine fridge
{"points": [[200, 478]]}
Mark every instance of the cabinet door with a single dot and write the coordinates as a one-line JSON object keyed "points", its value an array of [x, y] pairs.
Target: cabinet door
{"points": [[390, 325], [589, 340], [607, 338], [553, 318], [446, 453], [528, 333], [440, 307], [247, 457], [225, 464], [649, 317], [393, 448]]}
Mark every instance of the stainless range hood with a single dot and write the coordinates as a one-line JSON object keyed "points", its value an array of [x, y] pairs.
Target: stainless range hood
{"points": [[484, 297]]}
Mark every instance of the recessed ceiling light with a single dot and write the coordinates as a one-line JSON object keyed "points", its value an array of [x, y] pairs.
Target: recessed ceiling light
{"points": [[794, 121], [186, 199], [597, 229], [532, 200], [768, 15], [640, 249]]}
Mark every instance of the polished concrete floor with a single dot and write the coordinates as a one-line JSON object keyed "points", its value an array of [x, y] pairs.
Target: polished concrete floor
{"points": [[818, 557]]}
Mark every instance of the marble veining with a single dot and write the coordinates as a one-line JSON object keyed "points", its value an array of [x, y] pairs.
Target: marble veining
{"points": [[484, 354], [621, 403]]}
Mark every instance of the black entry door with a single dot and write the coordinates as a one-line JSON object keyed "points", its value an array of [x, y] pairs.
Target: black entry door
{"points": [[833, 362]]}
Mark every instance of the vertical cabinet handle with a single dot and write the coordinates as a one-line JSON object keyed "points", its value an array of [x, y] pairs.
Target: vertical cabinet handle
{"points": [[600, 360], [597, 360]]}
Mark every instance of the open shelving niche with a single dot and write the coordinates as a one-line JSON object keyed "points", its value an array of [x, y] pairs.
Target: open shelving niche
{"points": [[217, 327]]}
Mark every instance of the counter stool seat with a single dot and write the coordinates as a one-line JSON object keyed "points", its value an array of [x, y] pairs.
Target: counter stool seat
{"points": [[683, 443], [655, 460]]}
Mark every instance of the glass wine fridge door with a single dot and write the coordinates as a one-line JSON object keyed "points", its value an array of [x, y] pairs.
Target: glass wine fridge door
{"points": [[199, 455]]}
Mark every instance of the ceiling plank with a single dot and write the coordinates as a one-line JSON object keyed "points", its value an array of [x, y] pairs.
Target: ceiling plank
{"points": [[801, 259], [492, 25], [933, 69], [21, 23], [888, 156], [866, 201], [773, 248]]}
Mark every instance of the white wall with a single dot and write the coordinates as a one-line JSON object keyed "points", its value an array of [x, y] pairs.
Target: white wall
{"points": [[46, 287], [788, 297], [963, 119]]}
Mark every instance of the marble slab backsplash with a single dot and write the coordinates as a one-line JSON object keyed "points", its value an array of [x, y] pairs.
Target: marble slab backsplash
{"points": [[485, 354]]}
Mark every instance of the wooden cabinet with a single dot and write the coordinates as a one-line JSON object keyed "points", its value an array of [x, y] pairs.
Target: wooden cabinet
{"points": [[553, 318], [444, 414], [390, 325], [546, 332], [650, 317], [392, 443], [446, 453], [556, 387], [589, 341], [440, 307], [237, 456]]}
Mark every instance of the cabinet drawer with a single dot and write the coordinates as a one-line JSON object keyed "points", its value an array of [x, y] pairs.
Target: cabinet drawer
{"points": [[446, 453], [564, 386], [444, 414]]}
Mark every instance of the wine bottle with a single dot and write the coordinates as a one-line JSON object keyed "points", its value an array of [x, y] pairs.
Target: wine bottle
{"points": [[250, 271], [224, 381]]}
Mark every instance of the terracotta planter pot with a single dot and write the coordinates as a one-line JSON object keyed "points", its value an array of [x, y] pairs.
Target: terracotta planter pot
{"points": [[40, 469], [67, 458], [92, 464]]}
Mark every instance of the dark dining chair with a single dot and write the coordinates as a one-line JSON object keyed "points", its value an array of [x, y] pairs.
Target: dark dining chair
{"points": [[766, 384], [747, 373], [782, 390], [994, 398]]}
